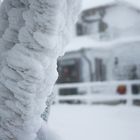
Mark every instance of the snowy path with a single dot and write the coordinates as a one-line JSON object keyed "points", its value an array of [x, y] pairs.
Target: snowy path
{"points": [[96, 122]]}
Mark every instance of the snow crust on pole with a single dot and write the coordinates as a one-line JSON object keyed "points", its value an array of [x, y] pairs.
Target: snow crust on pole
{"points": [[33, 34]]}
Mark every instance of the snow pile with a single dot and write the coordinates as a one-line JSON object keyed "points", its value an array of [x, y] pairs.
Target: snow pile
{"points": [[95, 122], [33, 35], [47, 134]]}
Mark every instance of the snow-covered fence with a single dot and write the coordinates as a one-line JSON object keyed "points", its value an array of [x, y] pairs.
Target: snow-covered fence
{"points": [[98, 92]]}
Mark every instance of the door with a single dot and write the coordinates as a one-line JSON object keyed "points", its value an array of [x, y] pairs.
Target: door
{"points": [[100, 70]]}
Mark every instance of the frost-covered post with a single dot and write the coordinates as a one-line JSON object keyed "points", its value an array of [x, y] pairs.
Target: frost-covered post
{"points": [[33, 34]]}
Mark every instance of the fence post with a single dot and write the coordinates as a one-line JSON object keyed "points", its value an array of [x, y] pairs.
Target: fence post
{"points": [[88, 94], [56, 93], [129, 95]]}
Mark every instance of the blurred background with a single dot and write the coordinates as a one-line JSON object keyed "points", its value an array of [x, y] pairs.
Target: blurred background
{"points": [[104, 56], [98, 89]]}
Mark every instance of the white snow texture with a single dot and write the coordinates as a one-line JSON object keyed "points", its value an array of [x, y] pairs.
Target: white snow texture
{"points": [[33, 34]]}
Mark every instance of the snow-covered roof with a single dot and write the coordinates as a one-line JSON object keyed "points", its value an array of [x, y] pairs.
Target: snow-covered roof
{"points": [[87, 42], [133, 3], [88, 4]]}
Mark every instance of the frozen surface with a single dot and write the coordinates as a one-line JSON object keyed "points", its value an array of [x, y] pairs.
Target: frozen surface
{"points": [[33, 34], [95, 122]]}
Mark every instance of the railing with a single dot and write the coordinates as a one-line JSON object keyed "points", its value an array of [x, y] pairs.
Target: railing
{"points": [[98, 92]]}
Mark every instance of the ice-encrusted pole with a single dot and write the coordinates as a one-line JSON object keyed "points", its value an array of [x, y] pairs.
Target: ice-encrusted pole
{"points": [[33, 35]]}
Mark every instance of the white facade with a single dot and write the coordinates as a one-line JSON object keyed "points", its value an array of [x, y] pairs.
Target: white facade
{"points": [[111, 20], [108, 42], [116, 60]]}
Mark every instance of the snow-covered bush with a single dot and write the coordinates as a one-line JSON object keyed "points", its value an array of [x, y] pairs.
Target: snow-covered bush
{"points": [[33, 35]]}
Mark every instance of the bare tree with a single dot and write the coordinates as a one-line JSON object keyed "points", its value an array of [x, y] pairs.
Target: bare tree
{"points": [[33, 34]]}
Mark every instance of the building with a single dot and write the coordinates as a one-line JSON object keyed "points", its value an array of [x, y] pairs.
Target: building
{"points": [[107, 45], [110, 20], [115, 60]]}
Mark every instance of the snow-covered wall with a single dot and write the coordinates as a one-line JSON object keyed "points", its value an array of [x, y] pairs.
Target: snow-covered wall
{"points": [[33, 34], [116, 60], [128, 61], [111, 21], [122, 21]]}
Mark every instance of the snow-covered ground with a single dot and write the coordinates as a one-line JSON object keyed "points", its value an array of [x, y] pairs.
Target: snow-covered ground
{"points": [[95, 122]]}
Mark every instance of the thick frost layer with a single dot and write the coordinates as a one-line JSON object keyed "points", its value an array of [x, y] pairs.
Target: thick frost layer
{"points": [[33, 35]]}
